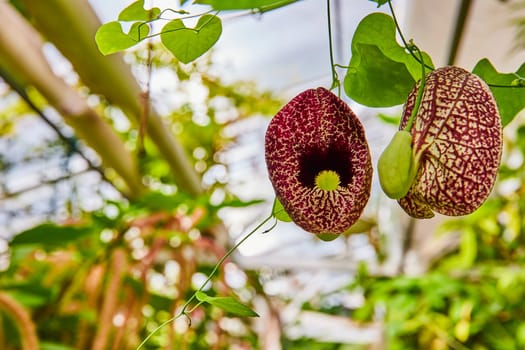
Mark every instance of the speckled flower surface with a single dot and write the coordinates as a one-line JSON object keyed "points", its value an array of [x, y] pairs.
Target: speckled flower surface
{"points": [[457, 140], [314, 132]]}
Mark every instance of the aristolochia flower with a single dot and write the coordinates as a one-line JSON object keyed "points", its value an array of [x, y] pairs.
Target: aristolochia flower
{"points": [[457, 141], [319, 162]]}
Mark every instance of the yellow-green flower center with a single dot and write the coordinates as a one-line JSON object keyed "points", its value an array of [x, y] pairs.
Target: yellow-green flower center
{"points": [[327, 180]]}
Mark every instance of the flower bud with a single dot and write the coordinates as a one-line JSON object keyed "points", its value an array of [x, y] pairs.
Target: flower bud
{"points": [[396, 166]]}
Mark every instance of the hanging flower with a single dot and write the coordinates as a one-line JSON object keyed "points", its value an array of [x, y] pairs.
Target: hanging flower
{"points": [[457, 141], [319, 162]]}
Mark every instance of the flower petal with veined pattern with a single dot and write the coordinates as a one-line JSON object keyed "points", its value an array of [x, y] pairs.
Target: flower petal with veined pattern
{"points": [[457, 141], [315, 132]]}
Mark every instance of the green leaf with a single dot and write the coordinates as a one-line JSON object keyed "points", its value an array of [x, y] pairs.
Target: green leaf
{"points": [[520, 139], [375, 80], [381, 73], [136, 12], [245, 4], [187, 44], [238, 203], [520, 333], [31, 294], [110, 38], [227, 304], [29, 299], [468, 248], [138, 31], [388, 119], [361, 225], [327, 237], [54, 346], [379, 2], [51, 235], [510, 100], [159, 201], [279, 213]]}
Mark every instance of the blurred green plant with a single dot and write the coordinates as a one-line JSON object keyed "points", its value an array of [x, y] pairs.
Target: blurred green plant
{"points": [[474, 297], [112, 275]]}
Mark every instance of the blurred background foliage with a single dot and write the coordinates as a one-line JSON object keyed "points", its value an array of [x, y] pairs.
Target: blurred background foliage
{"points": [[85, 265], [473, 296], [128, 264]]}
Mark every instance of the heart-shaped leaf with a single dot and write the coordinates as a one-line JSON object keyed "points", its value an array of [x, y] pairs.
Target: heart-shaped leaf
{"points": [[375, 80], [227, 304], [510, 100], [245, 4], [381, 73], [138, 31], [136, 12], [187, 44], [110, 38]]}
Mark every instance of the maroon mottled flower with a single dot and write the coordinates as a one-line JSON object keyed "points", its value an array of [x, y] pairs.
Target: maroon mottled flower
{"points": [[457, 140], [319, 162]]}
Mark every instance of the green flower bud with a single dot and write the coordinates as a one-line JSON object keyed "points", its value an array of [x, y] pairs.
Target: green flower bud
{"points": [[397, 167]]}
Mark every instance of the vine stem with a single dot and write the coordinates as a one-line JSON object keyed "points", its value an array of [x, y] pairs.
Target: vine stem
{"points": [[419, 96], [410, 49], [408, 46], [184, 311], [335, 78], [397, 25]]}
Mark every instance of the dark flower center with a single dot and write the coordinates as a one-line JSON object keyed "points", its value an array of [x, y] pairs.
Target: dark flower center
{"points": [[314, 161]]}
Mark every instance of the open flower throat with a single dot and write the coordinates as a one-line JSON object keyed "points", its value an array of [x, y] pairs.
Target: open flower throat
{"points": [[319, 162]]}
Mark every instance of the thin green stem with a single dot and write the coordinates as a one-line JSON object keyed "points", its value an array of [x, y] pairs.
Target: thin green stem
{"points": [[226, 256], [506, 86], [271, 7], [184, 311], [419, 96], [335, 78], [519, 82], [405, 42], [179, 12], [411, 50], [187, 312]]}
